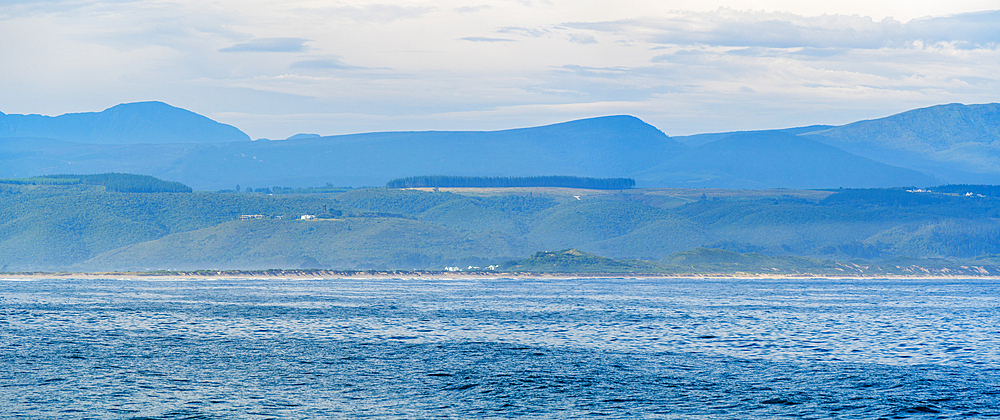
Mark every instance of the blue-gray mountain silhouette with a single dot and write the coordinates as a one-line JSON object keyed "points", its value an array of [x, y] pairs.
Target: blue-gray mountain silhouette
{"points": [[949, 143], [766, 159], [957, 142], [140, 122]]}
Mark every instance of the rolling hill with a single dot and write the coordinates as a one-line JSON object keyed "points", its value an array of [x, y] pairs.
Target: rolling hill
{"points": [[59, 226]]}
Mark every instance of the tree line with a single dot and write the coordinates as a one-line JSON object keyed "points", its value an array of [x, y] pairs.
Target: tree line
{"points": [[447, 181], [114, 182]]}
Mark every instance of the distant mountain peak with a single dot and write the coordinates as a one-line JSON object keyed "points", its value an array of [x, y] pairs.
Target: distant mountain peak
{"points": [[607, 121], [127, 123], [940, 138]]}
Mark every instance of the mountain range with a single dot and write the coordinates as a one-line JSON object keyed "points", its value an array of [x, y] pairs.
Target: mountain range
{"points": [[929, 146]]}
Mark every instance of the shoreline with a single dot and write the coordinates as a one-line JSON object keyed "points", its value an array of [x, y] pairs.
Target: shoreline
{"points": [[448, 275]]}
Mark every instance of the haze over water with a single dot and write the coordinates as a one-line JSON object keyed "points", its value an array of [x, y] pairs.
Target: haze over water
{"points": [[499, 348]]}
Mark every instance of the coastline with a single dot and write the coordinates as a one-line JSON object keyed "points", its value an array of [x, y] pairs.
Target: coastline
{"points": [[448, 275]]}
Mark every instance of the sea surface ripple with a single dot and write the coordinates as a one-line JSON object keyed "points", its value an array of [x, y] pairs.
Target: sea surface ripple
{"points": [[499, 348]]}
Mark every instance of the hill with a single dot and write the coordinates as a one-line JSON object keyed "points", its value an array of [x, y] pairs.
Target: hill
{"points": [[116, 182], [132, 123], [576, 261], [719, 262], [348, 243], [81, 226]]}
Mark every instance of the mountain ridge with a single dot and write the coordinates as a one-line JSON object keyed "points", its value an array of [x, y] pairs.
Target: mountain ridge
{"points": [[955, 141], [129, 123], [601, 147]]}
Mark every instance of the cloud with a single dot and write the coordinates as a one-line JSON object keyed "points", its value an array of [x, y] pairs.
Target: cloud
{"points": [[331, 63], [485, 39], [726, 27], [682, 70], [968, 30], [586, 71], [582, 39], [380, 13], [270, 45], [472, 9], [526, 32]]}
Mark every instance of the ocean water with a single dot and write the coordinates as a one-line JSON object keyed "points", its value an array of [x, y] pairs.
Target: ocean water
{"points": [[499, 348]]}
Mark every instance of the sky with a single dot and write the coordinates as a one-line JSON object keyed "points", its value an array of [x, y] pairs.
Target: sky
{"points": [[277, 68]]}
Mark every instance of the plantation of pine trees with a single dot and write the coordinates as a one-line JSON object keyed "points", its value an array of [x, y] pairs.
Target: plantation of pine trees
{"points": [[112, 182]]}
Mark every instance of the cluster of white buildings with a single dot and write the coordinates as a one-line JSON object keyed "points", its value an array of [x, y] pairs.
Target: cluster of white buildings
{"points": [[261, 216]]}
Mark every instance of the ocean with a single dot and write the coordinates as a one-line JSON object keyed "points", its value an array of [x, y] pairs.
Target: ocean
{"points": [[127, 348]]}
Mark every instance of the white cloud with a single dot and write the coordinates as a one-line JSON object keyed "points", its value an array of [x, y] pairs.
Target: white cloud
{"points": [[269, 45], [328, 63], [472, 9], [381, 13], [734, 28], [582, 39], [485, 39]]}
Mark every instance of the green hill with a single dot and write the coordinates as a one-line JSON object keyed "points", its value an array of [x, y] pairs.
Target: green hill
{"points": [[116, 182], [576, 261], [56, 226], [718, 262], [61, 225], [352, 243]]}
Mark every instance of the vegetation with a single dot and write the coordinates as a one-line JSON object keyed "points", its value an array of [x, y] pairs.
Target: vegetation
{"points": [[40, 180], [576, 261], [50, 223], [441, 181], [717, 262], [966, 189]]}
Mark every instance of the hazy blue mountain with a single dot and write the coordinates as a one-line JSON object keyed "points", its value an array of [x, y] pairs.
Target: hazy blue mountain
{"points": [[951, 143], [955, 142], [766, 159], [600, 147], [597, 147], [700, 139], [133, 123]]}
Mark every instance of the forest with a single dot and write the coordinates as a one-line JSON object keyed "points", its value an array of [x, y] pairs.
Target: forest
{"points": [[82, 223], [115, 182]]}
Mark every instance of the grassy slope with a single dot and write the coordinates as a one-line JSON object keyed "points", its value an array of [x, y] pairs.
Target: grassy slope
{"points": [[711, 262], [60, 227], [57, 226], [353, 243]]}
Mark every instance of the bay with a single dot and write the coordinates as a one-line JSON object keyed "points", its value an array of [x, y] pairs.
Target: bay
{"points": [[499, 348]]}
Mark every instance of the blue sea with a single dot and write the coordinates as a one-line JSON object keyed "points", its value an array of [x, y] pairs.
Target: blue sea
{"points": [[125, 348]]}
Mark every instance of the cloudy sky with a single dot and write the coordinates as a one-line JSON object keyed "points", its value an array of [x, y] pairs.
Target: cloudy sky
{"points": [[276, 68]]}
